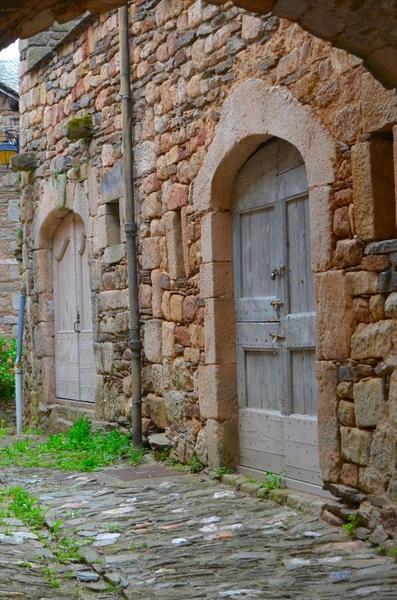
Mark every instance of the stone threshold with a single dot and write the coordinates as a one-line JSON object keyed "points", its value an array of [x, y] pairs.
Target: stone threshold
{"points": [[302, 501]]}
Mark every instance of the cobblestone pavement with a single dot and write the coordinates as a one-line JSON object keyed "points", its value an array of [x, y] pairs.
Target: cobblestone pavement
{"points": [[152, 533]]}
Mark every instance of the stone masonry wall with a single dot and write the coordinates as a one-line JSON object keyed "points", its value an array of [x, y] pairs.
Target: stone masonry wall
{"points": [[187, 57], [9, 228]]}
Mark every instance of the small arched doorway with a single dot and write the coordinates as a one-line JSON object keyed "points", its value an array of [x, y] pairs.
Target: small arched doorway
{"points": [[75, 373], [275, 318]]}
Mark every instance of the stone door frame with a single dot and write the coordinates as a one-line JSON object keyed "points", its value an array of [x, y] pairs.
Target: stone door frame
{"points": [[58, 199], [252, 114]]}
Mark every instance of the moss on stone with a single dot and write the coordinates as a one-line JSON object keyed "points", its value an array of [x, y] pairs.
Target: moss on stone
{"points": [[80, 127]]}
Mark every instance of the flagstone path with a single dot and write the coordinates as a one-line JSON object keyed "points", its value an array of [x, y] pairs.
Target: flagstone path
{"points": [[153, 533]]}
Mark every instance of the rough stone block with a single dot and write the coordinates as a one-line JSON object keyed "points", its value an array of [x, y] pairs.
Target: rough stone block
{"points": [[392, 400], [341, 223], [378, 262], [346, 413], [355, 444], [216, 237], [216, 280], [374, 340], [113, 254], [174, 406], [217, 391], [334, 315], [328, 427], [112, 183], [373, 189], [113, 299], [151, 206], [168, 341], [219, 331], [157, 293], [362, 282], [391, 306], [151, 253], [24, 162], [369, 401], [157, 411], [176, 308], [152, 340], [251, 27], [377, 307], [145, 158], [345, 389], [176, 196], [173, 233], [152, 378], [222, 443], [384, 449], [348, 253], [349, 474]]}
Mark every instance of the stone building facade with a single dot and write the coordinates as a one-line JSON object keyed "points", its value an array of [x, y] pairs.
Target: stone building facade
{"points": [[9, 201], [211, 88]]}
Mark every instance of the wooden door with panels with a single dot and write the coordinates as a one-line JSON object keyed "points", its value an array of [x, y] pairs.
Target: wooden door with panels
{"points": [[75, 373], [275, 317]]}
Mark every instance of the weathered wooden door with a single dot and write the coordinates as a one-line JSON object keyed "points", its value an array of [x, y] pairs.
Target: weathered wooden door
{"points": [[275, 315], [75, 372]]}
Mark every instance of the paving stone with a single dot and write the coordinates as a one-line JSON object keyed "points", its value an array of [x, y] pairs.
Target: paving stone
{"points": [[177, 537]]}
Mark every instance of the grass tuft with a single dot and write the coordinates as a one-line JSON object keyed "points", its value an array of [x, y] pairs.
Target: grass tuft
{"points": [[79, 449], [353, 522]]}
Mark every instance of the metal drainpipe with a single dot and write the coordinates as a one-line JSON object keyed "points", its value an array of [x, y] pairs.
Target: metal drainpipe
{"points": [[130, 227]]}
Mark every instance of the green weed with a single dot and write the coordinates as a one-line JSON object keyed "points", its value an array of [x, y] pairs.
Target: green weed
{"points": [[17, 502], [7, 360], [195, 466], [56, 528], [67, 550], [79, 449], [353, 521], [218, 472], [162, 454], [112, 587], [51, 578], [272, 481], [136, 456]]}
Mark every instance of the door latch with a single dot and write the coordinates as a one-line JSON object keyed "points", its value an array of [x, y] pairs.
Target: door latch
{"points": [[276, 338], [76, 324], [277, 272], [277, 305]]}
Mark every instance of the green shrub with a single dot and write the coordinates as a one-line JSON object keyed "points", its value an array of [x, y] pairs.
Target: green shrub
{"points": [[7, 359]]}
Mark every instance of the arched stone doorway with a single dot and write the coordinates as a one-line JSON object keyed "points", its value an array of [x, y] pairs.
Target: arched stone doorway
{"points": [[251, 116], [75, 374], [61, 209]]}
